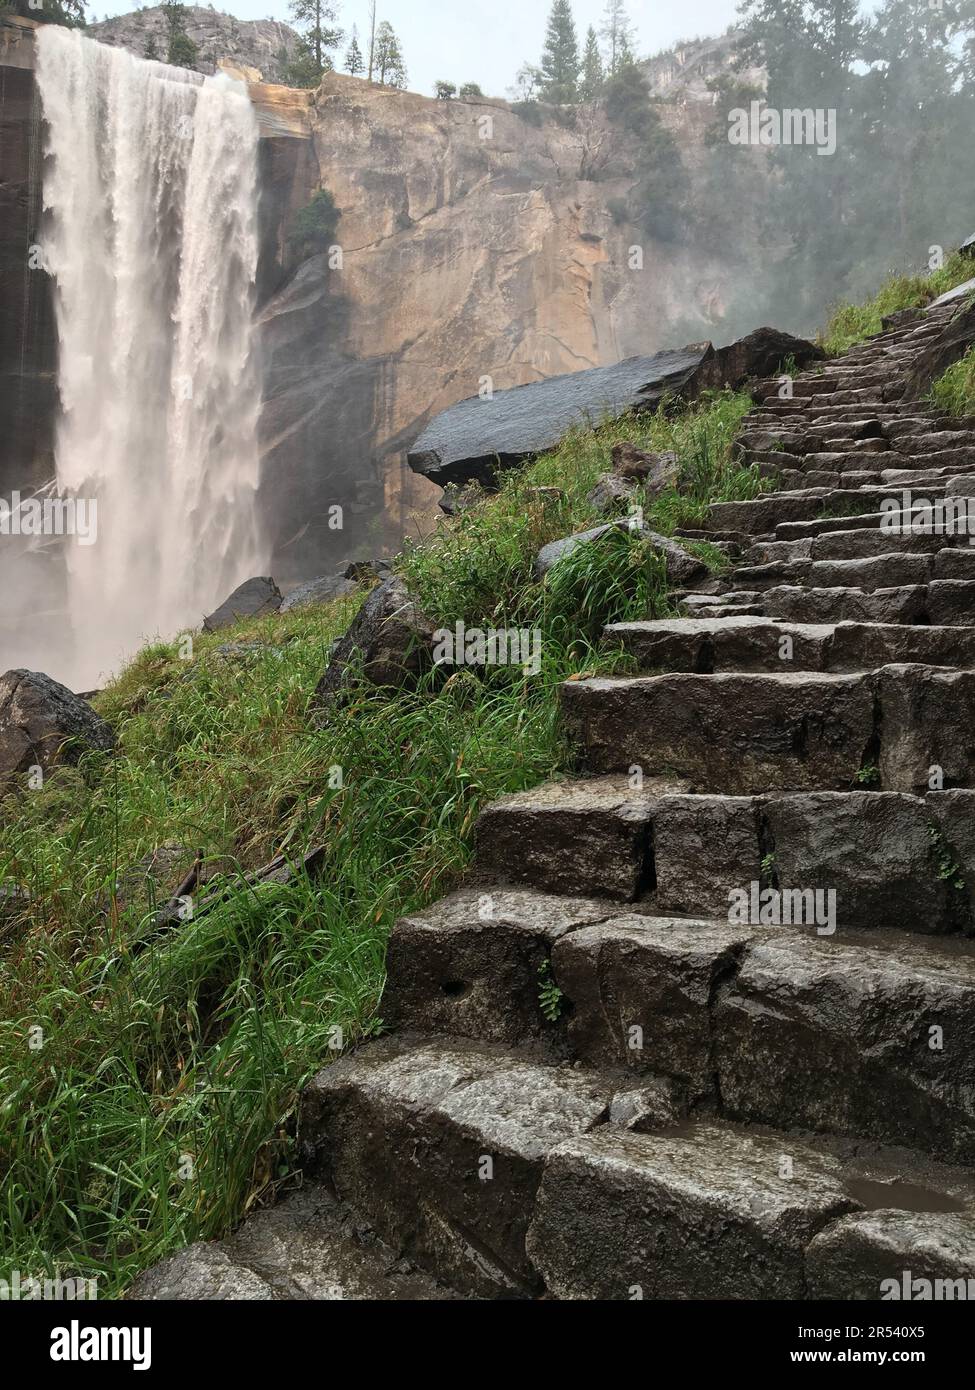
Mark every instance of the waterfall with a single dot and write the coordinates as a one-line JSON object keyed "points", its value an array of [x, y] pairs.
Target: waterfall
{"points": [[150, 235]]}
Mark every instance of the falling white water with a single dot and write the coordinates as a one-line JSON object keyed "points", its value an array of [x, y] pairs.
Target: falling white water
{"points": [[150, 196]]}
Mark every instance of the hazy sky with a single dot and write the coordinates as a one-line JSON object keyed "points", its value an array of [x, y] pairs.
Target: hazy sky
{"points": [[486, 42]]}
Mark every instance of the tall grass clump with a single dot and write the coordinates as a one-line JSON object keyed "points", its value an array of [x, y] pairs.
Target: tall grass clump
{"points": [[149, 1069], [954, 391], [852, 323]]}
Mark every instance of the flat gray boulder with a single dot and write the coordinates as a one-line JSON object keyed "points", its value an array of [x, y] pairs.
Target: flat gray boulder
{"points": [[252, 599], [43, 722], [682, 567], [476, 439], [317, 591]]}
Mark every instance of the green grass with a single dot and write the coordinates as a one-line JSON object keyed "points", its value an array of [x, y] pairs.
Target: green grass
{"points": [[159, 1107], [852, 323], [954, 391]]}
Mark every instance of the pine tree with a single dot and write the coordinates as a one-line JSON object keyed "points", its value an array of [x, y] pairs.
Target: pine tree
{"points": [[150, 49], [313, 19], [592, 68], [389, 68], [181, 52], [560, 56], [354, 62], [618, 33]]}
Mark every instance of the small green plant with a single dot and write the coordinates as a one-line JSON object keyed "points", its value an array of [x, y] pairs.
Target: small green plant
{"points": [[549, 995], [949, 871], [768, 864], [868, 775], [315, 226]]}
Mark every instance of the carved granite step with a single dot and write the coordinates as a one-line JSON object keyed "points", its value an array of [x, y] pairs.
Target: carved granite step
{"points": [[469, 965], [441, 1145], [821, 1032], [795, 731], [941, 603], [710, 1210], [768, 512], [705, 645], [518, 1178], [309, 1246], [893, 859]]}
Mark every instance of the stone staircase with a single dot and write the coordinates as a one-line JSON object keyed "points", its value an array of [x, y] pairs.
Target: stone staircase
{"points": [[701, 1025]]}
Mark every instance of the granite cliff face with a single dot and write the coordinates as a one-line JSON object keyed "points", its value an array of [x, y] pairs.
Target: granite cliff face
{"points": [[477, 251], [28, 390], [264, 44]]}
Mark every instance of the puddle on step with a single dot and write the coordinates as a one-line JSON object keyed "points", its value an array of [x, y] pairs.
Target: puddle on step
{"points": [[905, 1196]]}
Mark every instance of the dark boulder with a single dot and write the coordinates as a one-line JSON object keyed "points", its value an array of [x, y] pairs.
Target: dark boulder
{"points": [[252, 599], [324, 590], [460, 499], [476, 439], [389, 640], [655, 471], [952, 342], [42, 723], [967, 248], [761, 353], [365, 571], [611, 494]]}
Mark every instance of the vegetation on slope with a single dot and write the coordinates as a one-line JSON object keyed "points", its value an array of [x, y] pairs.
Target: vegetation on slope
{"points": [[148, 1077], [852, 323], [954, 391]]}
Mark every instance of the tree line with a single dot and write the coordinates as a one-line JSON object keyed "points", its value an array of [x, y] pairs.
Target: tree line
{"points": [[379, 57]]}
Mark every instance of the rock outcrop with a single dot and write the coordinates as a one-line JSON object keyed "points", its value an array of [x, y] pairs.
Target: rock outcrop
{"points": [[481, 436], [265, 46], [28, 339], [252, 599], [42, 723], [388, 644]]}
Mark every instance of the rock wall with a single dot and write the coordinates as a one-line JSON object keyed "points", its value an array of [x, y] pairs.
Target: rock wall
{"points": [[265, 44], [472, 250], [28, 346]]}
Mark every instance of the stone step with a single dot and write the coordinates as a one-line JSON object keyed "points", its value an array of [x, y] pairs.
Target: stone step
{"points": [[513, 1179], [469, 966], [946, 445], [835, 1035], [846, 545], [711, 1211], [309, 1246], [891, 569], [707, 645], [897, 728], [941, 603], [767, 513], [673, 853], [441, 1144]]}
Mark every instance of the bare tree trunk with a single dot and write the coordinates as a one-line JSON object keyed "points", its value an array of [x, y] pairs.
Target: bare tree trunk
{"points": [[372, 35]]}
